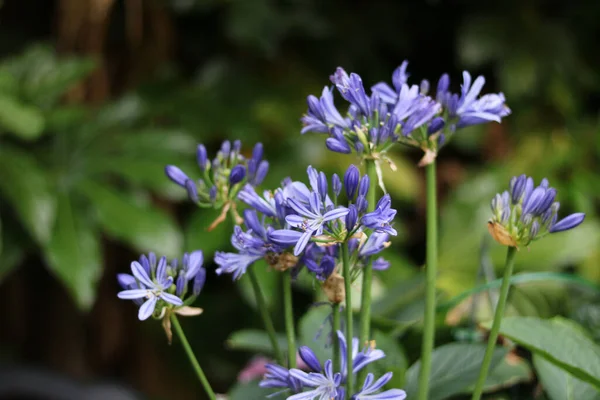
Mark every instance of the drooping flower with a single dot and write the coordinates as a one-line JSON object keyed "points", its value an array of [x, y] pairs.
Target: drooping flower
{"points": [[526, 213], [322, 382]]}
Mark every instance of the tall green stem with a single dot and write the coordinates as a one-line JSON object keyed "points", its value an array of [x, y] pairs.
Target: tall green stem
{"points": [[491, 344], [192, 357], [349, 337], [264, 312], [431, 272], [289, 318], [367, 282], [334, 337]]}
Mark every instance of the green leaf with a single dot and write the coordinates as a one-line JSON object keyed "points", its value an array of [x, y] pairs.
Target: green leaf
{"points": [[511, 371], [74, 255], [24, 184], [267, 279], [142, 226], [455, 366], [558, 340], [248, 391], [254, 340], [19, 119], [561, 385]]}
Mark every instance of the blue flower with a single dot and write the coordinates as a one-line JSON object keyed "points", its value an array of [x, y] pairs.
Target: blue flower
{"points": [[526, 213], [142, 286], [251, 248], [311, 219], [468, 108], [324, 383], [223, 176], [380, 219], [370, 388]]}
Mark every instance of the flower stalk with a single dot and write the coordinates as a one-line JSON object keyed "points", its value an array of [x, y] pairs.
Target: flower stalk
{"points": [[335, 342], [499, 313], [289, 318], [431, 274], [349, 324], [264, 312], [192, 358], [365, 306]]}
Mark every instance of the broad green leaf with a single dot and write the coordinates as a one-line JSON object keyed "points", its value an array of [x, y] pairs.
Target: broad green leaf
{"points": [[249, 391], [510, 371], [24, 121], [399, 296], [144, 227], [24, 184], [268, 280], [561, 385], [455, 366], [74, 255], [254, 340], [559, 341]]}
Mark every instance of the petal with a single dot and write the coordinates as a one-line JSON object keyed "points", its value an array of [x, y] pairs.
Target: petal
{"points": [[285, 237], [295, 220], [304, 395], [300, 209], [161, 270], [171, 298], [311, 379], [126, 280], [140, 273], [567, 223], [194, 263], [302, 242], [132, 294], [147, 308], [335, 214]]}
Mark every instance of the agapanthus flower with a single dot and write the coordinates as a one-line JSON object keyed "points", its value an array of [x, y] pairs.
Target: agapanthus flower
{"points": [[526, 213], [160, 288], [322, 382], [400, 113], [222, 178]]}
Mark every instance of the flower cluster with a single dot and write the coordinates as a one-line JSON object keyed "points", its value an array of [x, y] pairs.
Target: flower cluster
{"points": [[223, 177], [157, 286], [527, 213], [324, 383], [403, 113], [297, 226]]}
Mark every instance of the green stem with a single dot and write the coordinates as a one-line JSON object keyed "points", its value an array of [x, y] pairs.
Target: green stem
{"points": [[431, 274], [367, 282], [349, 335], [264, 312], [334, 337], [289, 318], [489, 351], [192, 357]]}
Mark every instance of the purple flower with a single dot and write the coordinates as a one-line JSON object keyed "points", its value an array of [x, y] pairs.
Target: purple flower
{"points": [[380, 219], [152, 290], [237, 174], [324, 383], [526, 213], [250, 249], [351, 88], [311, 219], [399, 78]]}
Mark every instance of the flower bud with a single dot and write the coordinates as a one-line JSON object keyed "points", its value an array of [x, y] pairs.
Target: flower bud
{"points": [[309, 358], [237, 174], [436, 125], [567, 223], [351, 178], [199, 280], [192, 191], [336, 183], [322, 184], [351, 217], [363, 187], [176, 175], [201, 157]]}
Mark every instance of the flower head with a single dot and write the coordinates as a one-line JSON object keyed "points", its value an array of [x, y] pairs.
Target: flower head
{"points": [[526, 213], [222, 178], [322, 382], [156, 285]]}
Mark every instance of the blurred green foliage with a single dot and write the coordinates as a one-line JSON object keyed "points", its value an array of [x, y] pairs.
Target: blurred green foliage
{"points": [[73, 175]]}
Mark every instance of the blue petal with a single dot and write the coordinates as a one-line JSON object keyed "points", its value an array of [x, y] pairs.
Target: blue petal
{"points": [[147, 308]]}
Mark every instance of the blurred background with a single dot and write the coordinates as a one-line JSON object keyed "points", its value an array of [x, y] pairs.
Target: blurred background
{"points": [[97, 96]]}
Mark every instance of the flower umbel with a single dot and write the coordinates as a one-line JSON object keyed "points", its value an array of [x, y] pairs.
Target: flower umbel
{"points": [[159, 288], [322, 382], [526, 213]]}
